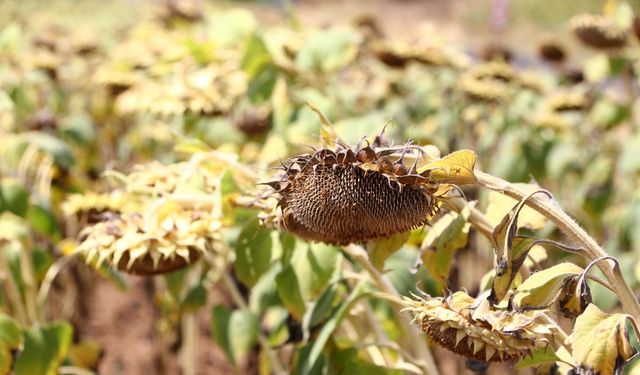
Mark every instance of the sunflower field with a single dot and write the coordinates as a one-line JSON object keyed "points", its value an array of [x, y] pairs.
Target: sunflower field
{"points": [[272, 187]]}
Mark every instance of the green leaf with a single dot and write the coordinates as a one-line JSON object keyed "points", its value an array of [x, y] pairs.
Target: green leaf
{"points": [[80, 128], [61, 152], [232, 27], [235, 332], [321, 308], [538, 357], [43, 221], [10, 338], [174, 281], [308, 362], [314, 265], [380, 250], [541, 288], [253, 252], [86, 354], [44, 349], [348, 362], [196, 298], [289, 291], [445, 236], [328, 50], [256, 56], [13, 197]]}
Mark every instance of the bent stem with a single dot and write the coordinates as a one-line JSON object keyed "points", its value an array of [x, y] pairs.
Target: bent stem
{"points": [[591, 249], [419, 347]]}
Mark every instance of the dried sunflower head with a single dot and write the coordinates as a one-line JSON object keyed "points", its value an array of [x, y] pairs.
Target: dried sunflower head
{"points": [[202, 92], [153, 242], [598, 31], [90, 208], [552, 51], [472, 328], [567, 101], [488, 90], [348, 195]]}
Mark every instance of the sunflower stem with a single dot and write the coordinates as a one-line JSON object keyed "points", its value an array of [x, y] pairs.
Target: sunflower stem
{"points": [[591, 249], [419, 346]]}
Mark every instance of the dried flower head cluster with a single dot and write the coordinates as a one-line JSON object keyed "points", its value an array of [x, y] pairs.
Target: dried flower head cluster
{"points": [[147, 244], [349, 195], [598, 31], [140, 229], [473, 329]]}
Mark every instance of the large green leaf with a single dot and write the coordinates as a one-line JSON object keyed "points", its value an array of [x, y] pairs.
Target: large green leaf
{"points": [[44, 349], [253, 252], [380, 250], [235, 332], [14, 197], [10, 338], [308, 362], [289, 291]]}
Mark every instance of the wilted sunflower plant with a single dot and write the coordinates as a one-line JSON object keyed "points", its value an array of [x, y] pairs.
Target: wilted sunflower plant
{"points": [[368, 197]]}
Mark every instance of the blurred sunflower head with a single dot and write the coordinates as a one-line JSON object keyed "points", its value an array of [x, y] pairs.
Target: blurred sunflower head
{"points": [[152, 242], [474, 329], [598, 31], [345, 195], [552, 51]]}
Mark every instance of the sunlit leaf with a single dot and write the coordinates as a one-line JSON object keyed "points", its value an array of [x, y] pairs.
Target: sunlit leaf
{"points": [[380, 250], [308, 362], [289, 291], [329, 49], [327, 132], [500, 205], [253, 252], [445, 236], [235, 332], [541, 288], [86, 354], [455, 168], [600, 341]]}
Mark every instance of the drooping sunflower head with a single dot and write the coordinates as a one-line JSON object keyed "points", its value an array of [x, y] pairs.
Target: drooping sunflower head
{"points": [[474, 329], [598, 31], [151, 243], [552, 51], [345, 195]]}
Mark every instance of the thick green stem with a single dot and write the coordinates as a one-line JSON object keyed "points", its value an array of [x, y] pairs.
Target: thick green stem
{"points": [[567, 225], [418, 347]]}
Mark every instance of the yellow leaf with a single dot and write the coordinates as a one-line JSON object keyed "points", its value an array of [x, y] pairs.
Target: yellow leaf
{"points": [[455, 168], [500, 205], [541, 289], [328, 133], [600, 341]]}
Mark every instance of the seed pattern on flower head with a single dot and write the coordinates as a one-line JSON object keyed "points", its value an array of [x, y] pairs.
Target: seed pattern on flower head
{"points": [[473, 329], [347, 195]]}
